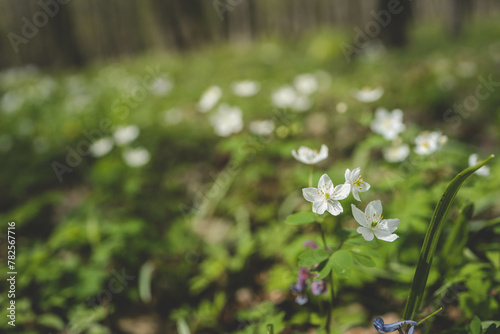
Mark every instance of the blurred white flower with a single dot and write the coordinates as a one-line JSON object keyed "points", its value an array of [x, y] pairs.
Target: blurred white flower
{"points": [[447, 82], [388, 124], [306, 84], [429, 142], [397, 152], [301, 103], [367, 95], [474, 160], [262, 128], [354, 179], [209, 98], [284, 97], [466, 69], [173, 116], [136, 157], [326, 197], [101, 147], [227, 120], [11, 102], [310, 157], [161, 86], [341, 107], [245, 88], [372, 223], [125, 134]]}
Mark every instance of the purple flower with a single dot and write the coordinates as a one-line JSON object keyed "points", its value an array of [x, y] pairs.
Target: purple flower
{"points": [[310, 243], [318, 287], [379, 325]]}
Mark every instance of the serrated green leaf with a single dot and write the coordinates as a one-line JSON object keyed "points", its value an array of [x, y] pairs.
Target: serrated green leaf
{"points": [[342, 263], [301, 218], [363, 260], [312, 257], [431, 240]]}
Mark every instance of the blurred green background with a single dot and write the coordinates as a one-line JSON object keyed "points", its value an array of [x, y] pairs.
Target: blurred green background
{"points": [[134, 216]]}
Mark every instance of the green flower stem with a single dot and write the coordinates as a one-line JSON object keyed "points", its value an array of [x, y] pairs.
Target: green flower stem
{"points": [[270, 329], [332, 292], [311, 177], [429, 316]]}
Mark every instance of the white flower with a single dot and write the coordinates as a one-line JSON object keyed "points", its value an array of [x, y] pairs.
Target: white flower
{"points": [[101, 147], [466, 69], [341, 107], [326, 197], [161, 86], [173, 116], [388, 124], [306, 84], [367, 95], [429, 142], [245, 88], [301, 103], [474, 160], [262, 128], [227, 120], [372, 223], [284, 97], [310, 157], [209, 98], [397, 152], [356, 182], [125, 134], [136, 157]]}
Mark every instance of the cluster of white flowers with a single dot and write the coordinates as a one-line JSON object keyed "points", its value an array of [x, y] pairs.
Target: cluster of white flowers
{"points": [[327, 197], [122, 136], [228, 120], [390, 125], [297, 97]]}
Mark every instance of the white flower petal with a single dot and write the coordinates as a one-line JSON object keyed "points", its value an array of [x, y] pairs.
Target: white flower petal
{"points": [[347, 175], [359, 216], [389, 238], [341, 191], [366, 233], [311, 194], [392, 224], [319, 207], [377, 207], [325, 183], [355, 194], [335, 208]]}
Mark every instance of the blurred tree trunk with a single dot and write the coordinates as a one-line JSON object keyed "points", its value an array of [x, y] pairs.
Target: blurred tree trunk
{"points": [[396, 32], [460, 9]]}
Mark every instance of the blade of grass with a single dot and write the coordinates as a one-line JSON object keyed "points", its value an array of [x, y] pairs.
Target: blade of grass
{"points": [[431, 240]]}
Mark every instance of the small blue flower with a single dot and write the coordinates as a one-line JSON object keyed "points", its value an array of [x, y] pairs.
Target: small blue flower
{"points": [[379, 325]]}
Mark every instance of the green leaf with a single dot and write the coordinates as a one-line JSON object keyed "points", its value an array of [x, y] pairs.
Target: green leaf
{"points": [[145, 276], [363, 260], [301, 218], [342, 263], [182, 327], [475, 326], [50, 320], [457, 239], [326, 269], [312, 257], [431, 240]]}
